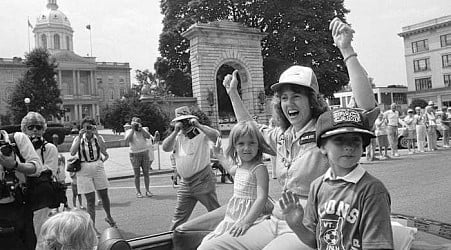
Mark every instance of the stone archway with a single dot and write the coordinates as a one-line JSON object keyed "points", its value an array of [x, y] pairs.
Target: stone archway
{"points": [[225, 43]]}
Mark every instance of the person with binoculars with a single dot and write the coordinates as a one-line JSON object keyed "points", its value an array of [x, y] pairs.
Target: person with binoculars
{"points": [[91, 150], [189, 143], [137, 137]]}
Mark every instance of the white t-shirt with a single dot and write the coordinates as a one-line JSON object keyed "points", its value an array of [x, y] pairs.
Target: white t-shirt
{"points": [[191, 155], [137, 143]]}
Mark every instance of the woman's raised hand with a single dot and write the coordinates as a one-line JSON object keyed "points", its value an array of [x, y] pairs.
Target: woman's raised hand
{"points": [[341, 32], [230, 82]]}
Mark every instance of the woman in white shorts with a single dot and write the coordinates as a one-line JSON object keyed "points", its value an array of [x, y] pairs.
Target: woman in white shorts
{"points": [[91, 150]]}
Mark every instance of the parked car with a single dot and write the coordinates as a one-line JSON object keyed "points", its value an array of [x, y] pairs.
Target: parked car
{"points": [[402, 140]]}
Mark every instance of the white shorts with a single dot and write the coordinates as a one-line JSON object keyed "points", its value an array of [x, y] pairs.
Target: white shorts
{"points": [[91, 177]]}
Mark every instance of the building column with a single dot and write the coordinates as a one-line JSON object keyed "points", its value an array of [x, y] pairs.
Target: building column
{"points": [[76, 116], [97, 113], [60, 80], [78, 83], [93, 84], [74, 81]]}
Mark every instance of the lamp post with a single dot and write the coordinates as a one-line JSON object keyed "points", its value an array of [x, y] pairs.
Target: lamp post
{"points": [[27, 101]]}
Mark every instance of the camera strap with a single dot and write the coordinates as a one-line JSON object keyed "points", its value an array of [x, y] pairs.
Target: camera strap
{"points": [[16, 150]]}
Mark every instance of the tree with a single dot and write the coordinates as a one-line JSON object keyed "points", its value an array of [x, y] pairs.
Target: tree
{"points": [[39, 84], [418, 103], [298, 33], [123, 110], [173, 80]]}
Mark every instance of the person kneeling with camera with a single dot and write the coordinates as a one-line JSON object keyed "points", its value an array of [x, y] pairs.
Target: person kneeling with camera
{"points": [[16, 217]]}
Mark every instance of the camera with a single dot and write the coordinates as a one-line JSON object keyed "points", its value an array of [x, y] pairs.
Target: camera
{"points": [[36, 141], [8, 184], [136, 126], [5, 148], [90, 127], [186, 123]]}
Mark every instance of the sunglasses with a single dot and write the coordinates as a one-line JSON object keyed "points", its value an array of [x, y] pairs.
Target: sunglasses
{"points": [[31, 127]]}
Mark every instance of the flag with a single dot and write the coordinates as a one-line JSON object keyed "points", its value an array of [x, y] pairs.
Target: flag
{"points": [[29, 24], [88, 26]]}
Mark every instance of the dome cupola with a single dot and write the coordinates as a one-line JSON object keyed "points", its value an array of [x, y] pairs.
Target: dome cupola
{"points": [[53, 29]]}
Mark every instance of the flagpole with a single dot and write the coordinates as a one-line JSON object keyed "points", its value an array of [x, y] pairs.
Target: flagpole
{"points": [[28, 28], [90, 39]]}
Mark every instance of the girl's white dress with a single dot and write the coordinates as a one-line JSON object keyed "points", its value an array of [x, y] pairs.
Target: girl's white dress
{"points": [[244, 196]]}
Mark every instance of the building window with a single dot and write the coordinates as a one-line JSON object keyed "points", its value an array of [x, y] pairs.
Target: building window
{"points": [[121, 80], [400, 98], [421, 65], [111, 94], [447, 80], [44, 41], [67, 82], [85, 82], [446, 60], [121, 92], [110, 79], [67, 42], [419, 46], [423, 83], [445, 40], [56, 41]]}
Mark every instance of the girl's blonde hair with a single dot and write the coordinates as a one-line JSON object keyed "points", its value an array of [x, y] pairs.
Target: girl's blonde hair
{"points": [[69, 230], [242, 129], [317, 103]]}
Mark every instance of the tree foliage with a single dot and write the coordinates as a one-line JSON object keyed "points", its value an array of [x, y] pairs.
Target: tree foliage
{"points": [[297, 33], [123, 110], [174, 80], [417, 102], [39, 84]]}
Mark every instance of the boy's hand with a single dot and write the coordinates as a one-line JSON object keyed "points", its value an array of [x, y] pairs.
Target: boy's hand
{"points": [[239, 229], [291, 208], [230, 82], [342, 33]]}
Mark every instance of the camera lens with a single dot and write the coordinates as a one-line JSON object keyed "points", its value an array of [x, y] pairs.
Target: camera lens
{"points": [[89, 127]]}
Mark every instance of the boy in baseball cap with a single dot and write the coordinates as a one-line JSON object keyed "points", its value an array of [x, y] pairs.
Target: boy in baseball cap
{"points": [[347, 206]]}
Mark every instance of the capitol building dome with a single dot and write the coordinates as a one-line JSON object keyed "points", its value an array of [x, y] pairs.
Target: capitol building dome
{"points": [[53, 30], [53, 15]]}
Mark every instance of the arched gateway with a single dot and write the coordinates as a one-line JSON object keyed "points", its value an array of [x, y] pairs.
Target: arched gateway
{"points": [[217, 49]]}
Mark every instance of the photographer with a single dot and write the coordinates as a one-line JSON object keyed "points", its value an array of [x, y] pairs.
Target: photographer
{"points": [[34, 126], [189, 143], [16, 218], [139, 154], [91, 150]]}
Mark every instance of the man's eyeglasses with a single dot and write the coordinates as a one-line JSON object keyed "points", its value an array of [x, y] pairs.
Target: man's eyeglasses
{"points": [[31, 127]]}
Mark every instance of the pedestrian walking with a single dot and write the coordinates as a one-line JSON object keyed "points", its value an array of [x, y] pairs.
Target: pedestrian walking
{"points": [[137, 138], [189, 143]]}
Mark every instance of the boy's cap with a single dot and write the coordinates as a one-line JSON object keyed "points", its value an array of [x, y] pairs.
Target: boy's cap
{"points": [[341, 121], [298, 75], [183, 113], [417, 108], [410, 111]]}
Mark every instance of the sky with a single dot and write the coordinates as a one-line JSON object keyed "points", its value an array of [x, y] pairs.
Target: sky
{"points": [[128, 31]]}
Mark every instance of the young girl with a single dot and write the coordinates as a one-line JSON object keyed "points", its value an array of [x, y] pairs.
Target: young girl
{"points": [[245, 151]]}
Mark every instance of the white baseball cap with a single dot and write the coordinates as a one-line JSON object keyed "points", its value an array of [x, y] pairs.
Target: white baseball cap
{"points": [[298, 75]]}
